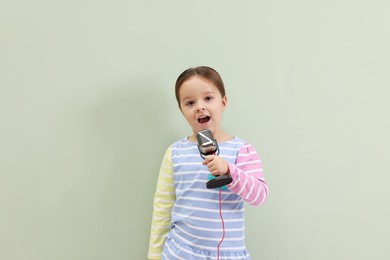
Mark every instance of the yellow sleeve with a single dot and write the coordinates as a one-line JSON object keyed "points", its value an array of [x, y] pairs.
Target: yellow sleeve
{"points": [[164, 199]]}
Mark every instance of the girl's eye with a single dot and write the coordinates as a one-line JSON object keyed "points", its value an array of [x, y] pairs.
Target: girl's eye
{"points": [[189, 103], [209, 98]]}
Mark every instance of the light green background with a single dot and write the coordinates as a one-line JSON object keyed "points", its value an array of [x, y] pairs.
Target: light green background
{"points": [[87, 110]]}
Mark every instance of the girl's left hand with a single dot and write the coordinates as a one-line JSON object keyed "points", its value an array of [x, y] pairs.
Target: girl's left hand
{"points": [[216, 164]]}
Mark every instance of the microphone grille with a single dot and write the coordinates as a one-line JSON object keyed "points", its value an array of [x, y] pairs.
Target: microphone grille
{"points": [[206, 142]]}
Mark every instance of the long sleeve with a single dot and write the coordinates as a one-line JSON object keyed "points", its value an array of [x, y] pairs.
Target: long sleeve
{"points": [[163, 202], [247, 174]]}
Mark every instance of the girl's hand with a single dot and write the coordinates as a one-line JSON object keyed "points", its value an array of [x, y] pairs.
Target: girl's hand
{"points": [[216, 164]]}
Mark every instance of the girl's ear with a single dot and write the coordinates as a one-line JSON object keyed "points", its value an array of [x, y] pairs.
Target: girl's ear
{"points": [[224, 103]]}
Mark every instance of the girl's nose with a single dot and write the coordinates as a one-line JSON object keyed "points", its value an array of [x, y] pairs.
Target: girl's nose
{"points": [[200, 107]]}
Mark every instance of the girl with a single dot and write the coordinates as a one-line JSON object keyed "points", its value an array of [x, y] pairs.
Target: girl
{"points": [[190, 221]]}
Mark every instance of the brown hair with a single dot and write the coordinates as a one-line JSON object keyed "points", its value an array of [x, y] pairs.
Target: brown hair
{"points": [[206, 73]]}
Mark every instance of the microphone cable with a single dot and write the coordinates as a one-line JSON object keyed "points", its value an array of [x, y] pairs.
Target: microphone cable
{"points": [[223, 222]]}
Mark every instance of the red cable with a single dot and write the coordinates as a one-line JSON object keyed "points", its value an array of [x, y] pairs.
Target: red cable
{"points": [[223, 223]]}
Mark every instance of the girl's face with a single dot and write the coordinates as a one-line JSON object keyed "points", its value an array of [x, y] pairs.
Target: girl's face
{"points": [[202, 105]]}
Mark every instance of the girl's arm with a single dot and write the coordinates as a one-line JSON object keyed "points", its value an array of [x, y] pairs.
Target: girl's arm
{"points": [[163, 202], [247, 174]]}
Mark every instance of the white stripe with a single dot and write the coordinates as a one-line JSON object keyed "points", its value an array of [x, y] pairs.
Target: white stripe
{"points": [[187, 164], [166, 166], [243, 186], [228, 156], [259, 192], [246, 146], [215, 229], [172, 253], [192, 181], [266, 191], [197, 155], [229, 149], [162, 209], [254, 171], [208, 210], [168, 176], [162, 192], [251, 190], [256, 198], [161, 218], [164, 200], [237, 180], [247, 154], [208, 238], [185, 149], [208, 219], [213, 201], [154, 227], [163, 183], [191, 172], [248, 163], [185, 155], [214, 191]]}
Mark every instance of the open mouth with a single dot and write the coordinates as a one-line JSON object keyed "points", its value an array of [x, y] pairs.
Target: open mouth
{"points": [[203, 119]]}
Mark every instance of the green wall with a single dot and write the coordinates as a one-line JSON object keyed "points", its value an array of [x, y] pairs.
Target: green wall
{"points": [[87, 110]]}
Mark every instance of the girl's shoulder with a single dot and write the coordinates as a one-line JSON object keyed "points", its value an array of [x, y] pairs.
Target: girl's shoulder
{"points": [[235, 141], [238, 144], [182, 142], [183, 145]]}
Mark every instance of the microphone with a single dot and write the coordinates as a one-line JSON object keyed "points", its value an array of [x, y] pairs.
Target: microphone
{"points": [[207, 145]]}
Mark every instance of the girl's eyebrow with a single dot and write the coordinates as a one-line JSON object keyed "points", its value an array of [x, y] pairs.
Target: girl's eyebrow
{"points": [[205, 94], [185, 98]]}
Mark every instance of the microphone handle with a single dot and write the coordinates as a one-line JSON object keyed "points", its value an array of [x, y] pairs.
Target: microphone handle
{"points": [[219, 181]]}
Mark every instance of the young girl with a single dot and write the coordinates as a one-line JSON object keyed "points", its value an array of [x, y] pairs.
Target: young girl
{"points": [[190, 221]]}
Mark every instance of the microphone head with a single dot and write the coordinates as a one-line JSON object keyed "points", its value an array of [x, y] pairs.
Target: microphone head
{"points": [[206, 143]]}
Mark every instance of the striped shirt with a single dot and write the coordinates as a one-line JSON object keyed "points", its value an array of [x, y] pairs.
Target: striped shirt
{"points": [[187, 212]]}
